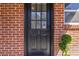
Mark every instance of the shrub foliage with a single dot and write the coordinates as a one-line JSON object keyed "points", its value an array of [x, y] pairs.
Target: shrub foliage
{"points": [[65, 40]]}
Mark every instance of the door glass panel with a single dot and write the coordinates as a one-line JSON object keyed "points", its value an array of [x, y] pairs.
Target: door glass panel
{"points": [[38, 7], [44, 16], [33, 16], [44, 7], [38, 24], [33, 7], [43, 24], [38, 15], [33, 24]]}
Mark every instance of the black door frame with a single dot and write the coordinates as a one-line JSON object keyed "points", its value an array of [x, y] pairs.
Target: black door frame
{"points": [[26, 17]]}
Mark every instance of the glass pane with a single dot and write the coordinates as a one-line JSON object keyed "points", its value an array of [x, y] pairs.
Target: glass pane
{"points": [[38, 24], [33, 24], [33, 7], [72, 17], [33, 15], [44, 16], [38, 7], [43, 24], [38, 15], [44, 7], [72, 6]]}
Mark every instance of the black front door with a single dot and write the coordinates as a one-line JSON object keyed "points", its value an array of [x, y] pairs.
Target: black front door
{"points": [[38, 29]]}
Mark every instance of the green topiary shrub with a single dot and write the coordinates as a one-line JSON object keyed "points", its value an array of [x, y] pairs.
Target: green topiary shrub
{"points": [[63, 45], [66, 38]]}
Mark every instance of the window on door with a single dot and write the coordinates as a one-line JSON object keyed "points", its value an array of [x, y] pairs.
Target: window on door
{"points": [[38, 16]]}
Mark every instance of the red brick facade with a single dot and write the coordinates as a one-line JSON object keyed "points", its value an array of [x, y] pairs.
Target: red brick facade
{"points": [[60, 28], [58, 25], [12, 29]]}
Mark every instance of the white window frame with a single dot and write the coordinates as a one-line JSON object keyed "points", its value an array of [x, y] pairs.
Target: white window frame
{"points": [[65, 10]]}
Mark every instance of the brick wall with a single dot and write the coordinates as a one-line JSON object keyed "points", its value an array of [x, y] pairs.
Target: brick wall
{"points": [[60, 28], [58, 25], [12, 29]]}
